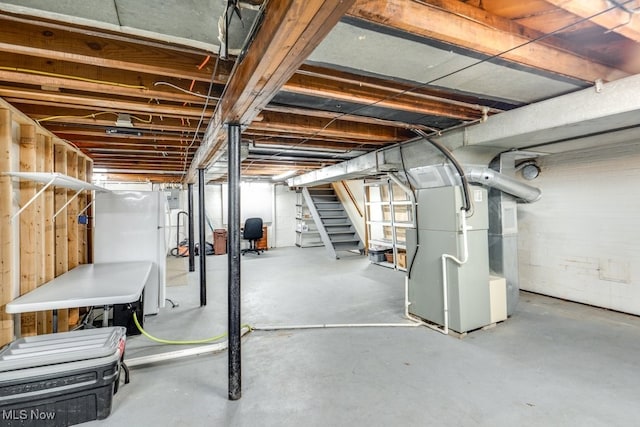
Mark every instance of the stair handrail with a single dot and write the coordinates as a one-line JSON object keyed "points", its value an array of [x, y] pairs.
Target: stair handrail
{"points": [[353, 199]]}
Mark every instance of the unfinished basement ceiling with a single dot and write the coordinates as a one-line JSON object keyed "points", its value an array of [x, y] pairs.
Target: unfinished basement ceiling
{"points": [[386, 67]]}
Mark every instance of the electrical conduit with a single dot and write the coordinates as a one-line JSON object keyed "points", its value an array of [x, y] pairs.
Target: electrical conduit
{"points": [[460, 262]]}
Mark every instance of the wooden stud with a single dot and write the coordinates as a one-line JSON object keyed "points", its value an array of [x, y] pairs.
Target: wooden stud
{"points": [[6, 234], [28, 225], [49, 230], [62, 255], [72, 226], [89, 212], [41, 316], [82, 203]]}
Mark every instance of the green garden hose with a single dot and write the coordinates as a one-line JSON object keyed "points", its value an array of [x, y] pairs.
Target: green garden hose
{"points": [[186, 342]]}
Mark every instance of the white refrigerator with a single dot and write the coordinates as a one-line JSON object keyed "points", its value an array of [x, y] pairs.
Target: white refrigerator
{"points": [[130, 226]]}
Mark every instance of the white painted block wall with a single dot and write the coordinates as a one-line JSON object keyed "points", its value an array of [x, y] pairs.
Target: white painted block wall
{"points": [[281, 231], [581, 241], [285, 216]]}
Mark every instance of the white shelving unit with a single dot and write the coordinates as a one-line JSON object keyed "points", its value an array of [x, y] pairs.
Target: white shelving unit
{"points": [[53, 179], [389, 211], [307, 235]]}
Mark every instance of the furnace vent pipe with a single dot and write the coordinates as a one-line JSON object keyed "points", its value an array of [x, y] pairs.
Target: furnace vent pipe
{"points": [[490, 178]]}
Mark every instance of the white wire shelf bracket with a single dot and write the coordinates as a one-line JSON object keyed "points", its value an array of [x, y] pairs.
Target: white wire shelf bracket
{"points": [[53, 179]]}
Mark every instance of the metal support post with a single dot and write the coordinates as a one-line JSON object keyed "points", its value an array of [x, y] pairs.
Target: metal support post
{"points": [[203, 243], [235, 389], [192, 255]]}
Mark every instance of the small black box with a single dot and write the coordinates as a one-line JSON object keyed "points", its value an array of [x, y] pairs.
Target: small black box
{"points": [[123, 316]]}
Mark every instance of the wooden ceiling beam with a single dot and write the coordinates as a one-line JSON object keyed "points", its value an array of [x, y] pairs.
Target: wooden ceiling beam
{"points": [[51, 114], [101, 33], [138, 159], [44, 41], [383, 98], [114, 151], [70, 133], [310, 144], [35, 79], [125, 176], [341, 116], [617, 20], [460, 24], [133, 164], [280, 127], [89, 146], [310, 126], [393, 87], [290, 30], [265, 136], [38, 97]]}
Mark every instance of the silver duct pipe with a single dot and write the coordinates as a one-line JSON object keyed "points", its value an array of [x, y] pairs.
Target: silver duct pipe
{"points": [[490, 178]]}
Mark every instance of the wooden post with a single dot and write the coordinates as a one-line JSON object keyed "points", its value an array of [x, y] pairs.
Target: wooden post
{"points": [[41, 316], [72, 226], [89, 177], [49, 230], [62, 254], [28, 225], [6, 239], [82, 203]]}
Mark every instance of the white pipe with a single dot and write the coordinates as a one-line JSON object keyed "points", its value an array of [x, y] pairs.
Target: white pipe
{"points": [[444, 258], [416, 322], [412, 318], [335, 326], [178, 354]]}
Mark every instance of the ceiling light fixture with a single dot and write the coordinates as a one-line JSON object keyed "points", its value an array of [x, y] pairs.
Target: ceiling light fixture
{"points": [[124, 121]]}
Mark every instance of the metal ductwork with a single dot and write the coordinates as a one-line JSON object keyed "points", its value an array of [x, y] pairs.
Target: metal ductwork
{"points": [[490, 178]]}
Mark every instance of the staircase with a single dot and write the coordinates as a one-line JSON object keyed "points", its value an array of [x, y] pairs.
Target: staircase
{"points": [[335, 228]]}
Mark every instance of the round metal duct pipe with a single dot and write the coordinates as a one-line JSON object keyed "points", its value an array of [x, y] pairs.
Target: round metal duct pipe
{"points": [[493, 179]]}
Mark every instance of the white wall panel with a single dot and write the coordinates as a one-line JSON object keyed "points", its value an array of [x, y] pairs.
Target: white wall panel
{"points": [[581, 241], [285, 224]]}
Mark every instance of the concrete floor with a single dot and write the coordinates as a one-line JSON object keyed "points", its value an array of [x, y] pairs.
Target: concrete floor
{"points": [[553, 363]]}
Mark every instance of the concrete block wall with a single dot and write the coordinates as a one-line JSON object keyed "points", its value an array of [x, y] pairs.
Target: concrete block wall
{"points": [[581, 241]]}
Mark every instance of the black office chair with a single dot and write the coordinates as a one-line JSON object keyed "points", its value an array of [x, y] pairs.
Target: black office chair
{"points": [[252, 232]]}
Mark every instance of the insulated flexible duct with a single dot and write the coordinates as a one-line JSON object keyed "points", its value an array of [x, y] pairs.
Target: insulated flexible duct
{"points": [[490, 178]]}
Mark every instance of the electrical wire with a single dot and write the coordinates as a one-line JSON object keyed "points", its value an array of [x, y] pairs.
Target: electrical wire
{"points": [[416, 207], [199, 95], [445, 151], [204, 110], [94, 115], [181, 342], [67, 76], [149, 120]]}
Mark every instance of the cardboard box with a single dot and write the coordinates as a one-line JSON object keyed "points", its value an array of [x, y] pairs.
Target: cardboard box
{"points": [[402, 259]]}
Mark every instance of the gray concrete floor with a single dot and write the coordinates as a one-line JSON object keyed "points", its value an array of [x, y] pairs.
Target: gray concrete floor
{"points": [[553, 363]]}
